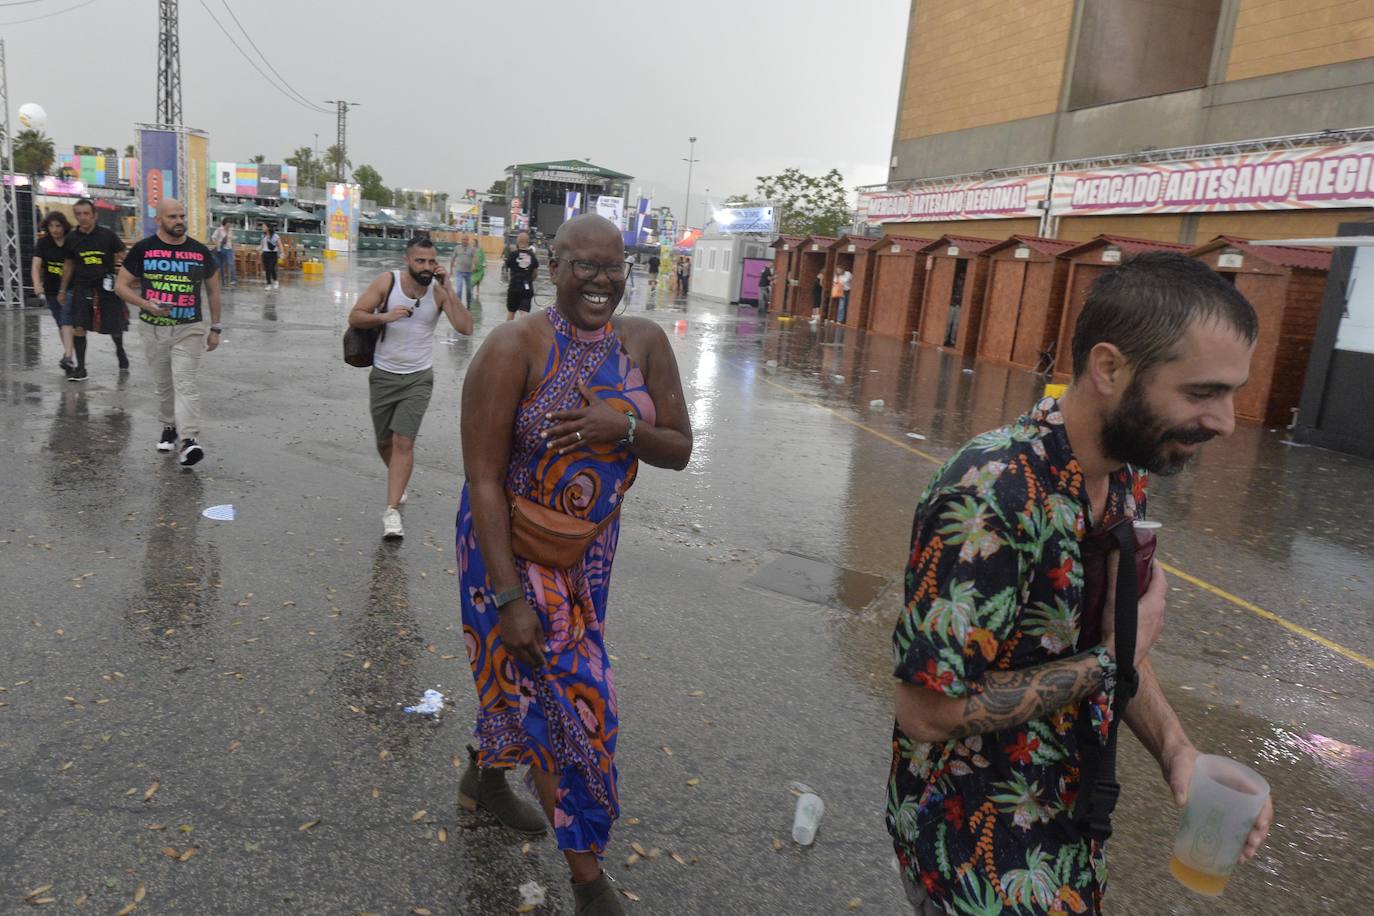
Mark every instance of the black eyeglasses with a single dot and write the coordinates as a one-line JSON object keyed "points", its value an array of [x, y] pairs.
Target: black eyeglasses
{"points": [[587, 270]]}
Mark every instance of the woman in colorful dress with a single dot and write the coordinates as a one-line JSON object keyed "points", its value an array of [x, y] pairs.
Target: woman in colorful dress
{"points": [[558, 411]]}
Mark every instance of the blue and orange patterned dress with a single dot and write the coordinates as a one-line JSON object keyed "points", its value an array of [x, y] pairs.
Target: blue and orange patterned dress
{"points": [[562, 720]]}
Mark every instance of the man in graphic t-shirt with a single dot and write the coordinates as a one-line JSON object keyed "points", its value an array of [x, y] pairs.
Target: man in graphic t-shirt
{"points": [[94, 251], [169, 276], [49, 268], [523, 267]]}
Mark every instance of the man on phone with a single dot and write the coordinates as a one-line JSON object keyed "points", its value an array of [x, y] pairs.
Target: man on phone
{"points": [[167, 277], [1005, 695], [405, 305]]}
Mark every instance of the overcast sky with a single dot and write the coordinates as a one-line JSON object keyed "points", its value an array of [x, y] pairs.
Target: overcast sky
{"points": [[453, 91]]}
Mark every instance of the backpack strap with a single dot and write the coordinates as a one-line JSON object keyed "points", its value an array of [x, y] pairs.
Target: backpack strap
{"points": [[1098, 789]]}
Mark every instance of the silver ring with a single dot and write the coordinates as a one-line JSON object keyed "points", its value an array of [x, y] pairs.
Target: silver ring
{"points": [[578, 434]]}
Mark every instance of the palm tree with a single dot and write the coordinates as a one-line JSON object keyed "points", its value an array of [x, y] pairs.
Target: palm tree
{"points": [[129, 151], [33, 152], [308, 167], [337, 163]]}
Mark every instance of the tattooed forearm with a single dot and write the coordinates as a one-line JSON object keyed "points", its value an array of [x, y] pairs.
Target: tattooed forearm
{"points": [[1010, 698]]}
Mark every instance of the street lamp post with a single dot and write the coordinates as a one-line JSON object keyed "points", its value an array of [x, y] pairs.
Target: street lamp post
{"points": [[690, 160]]}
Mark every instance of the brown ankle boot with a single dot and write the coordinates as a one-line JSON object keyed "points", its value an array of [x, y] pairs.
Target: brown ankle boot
{"points": [[597, 898], [487, 789]]}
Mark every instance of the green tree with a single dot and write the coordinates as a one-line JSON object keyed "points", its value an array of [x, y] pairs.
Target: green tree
{"points": [[336, 163], [810, 205], [129, 151], [33, 152], [82, 150], [308, 168], [497, 189], [373, 188], [259, 159]]}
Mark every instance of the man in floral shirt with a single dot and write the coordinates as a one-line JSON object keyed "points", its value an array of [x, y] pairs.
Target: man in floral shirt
{"points": [[999, 699]]}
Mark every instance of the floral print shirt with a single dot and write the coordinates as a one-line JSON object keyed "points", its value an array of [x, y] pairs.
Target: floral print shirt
{"points": [[994, 582]]}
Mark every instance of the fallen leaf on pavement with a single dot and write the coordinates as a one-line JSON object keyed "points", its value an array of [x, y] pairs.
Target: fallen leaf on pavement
{"points": [[66, 766], [235, 745], [443, 835], [639, 849], [631, 860], [420, 911], [696, 693], [678, 859], [630, 895], [128, 908], [418, 816], [156, 826], [667, 750], [152, 790], [308, 825], [855, 903], [376, 791], [140, 893], [38, 891], [694, 782], [169, 852], [777, 845]]}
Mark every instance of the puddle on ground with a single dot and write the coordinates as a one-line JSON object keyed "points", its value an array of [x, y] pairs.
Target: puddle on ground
{"points": [[819, 583]]}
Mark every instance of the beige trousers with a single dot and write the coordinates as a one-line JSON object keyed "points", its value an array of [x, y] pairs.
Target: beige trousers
{"points": [[174, 353]]}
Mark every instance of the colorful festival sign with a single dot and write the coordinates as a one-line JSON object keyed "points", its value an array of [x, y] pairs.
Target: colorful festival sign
{"points": [[157, 153], [1298, 179], [195, 185], [246, 179], [1003, 198], [343, 204]]}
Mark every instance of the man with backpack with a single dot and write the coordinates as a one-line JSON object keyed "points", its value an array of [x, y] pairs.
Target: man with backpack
{"points": [[405, 305]]}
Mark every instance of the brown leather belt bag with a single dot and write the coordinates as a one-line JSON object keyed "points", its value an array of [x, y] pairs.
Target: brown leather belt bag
{"points": [[549, 537]]}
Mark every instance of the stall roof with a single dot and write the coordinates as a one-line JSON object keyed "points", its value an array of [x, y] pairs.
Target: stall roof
{"points": [[1127, 245], [861, 242], [971, 243], [823, 240], [906, 242], [788, 239], [1302, 257], [567, 165], [1051, 247]]}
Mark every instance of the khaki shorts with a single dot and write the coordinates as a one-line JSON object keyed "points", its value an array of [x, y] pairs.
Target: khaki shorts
{"points": [[399, 402]]}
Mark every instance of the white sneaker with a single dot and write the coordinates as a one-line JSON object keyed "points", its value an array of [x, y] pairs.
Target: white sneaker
{"points": [[391, 524]]}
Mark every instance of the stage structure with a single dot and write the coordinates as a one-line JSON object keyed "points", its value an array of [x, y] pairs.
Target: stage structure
{"points": [[541, 193]]}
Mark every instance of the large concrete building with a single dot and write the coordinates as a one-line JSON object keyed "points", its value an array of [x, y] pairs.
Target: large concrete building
{"points": [[1174, 120]]}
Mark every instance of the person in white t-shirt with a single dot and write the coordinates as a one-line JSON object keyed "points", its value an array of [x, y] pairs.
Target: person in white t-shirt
{"points": [[402, 377], [222, 244], [844, 278]]}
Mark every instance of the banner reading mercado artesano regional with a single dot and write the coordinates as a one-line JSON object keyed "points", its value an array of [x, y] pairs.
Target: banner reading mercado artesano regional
{"points": [[1318, 177], [1004, 198]]}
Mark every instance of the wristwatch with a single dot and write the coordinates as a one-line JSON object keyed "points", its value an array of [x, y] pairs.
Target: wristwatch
{"points": [[629, 439]]}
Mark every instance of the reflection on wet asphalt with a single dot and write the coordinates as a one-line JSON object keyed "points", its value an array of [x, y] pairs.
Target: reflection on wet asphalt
{"points": [[254, 671]]}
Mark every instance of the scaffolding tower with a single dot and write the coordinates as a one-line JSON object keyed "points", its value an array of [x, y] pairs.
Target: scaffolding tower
{"points": [[168, 65], [11, 278]]}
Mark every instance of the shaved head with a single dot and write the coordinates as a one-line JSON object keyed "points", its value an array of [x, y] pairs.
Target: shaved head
{"points": [[171, 219], [586, 229]]}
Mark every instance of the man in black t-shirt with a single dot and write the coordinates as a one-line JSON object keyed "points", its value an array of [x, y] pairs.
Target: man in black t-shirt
{"points": [[169, 277], [653, 271], [523, 266], [94, 251], [49, 268], [765, 288]]}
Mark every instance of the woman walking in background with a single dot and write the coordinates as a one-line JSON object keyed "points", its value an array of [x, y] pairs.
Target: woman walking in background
{"points": [[269, 250]]}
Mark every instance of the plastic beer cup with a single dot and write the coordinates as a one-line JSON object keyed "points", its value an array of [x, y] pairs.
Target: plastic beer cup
{"points": [[1224, 798]]}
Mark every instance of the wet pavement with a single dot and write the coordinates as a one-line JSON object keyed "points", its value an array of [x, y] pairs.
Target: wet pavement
{"points": [[210, 710]]}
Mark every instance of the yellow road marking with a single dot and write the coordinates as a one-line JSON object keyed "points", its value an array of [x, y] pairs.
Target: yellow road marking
{"points": [[1170, 569]]}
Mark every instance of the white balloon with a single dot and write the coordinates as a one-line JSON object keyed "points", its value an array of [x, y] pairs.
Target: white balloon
{"points": [[32, 116]]}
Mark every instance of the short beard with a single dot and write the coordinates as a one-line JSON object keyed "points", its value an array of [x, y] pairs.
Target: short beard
{"points": [[1134, 434], [423, 277]]}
